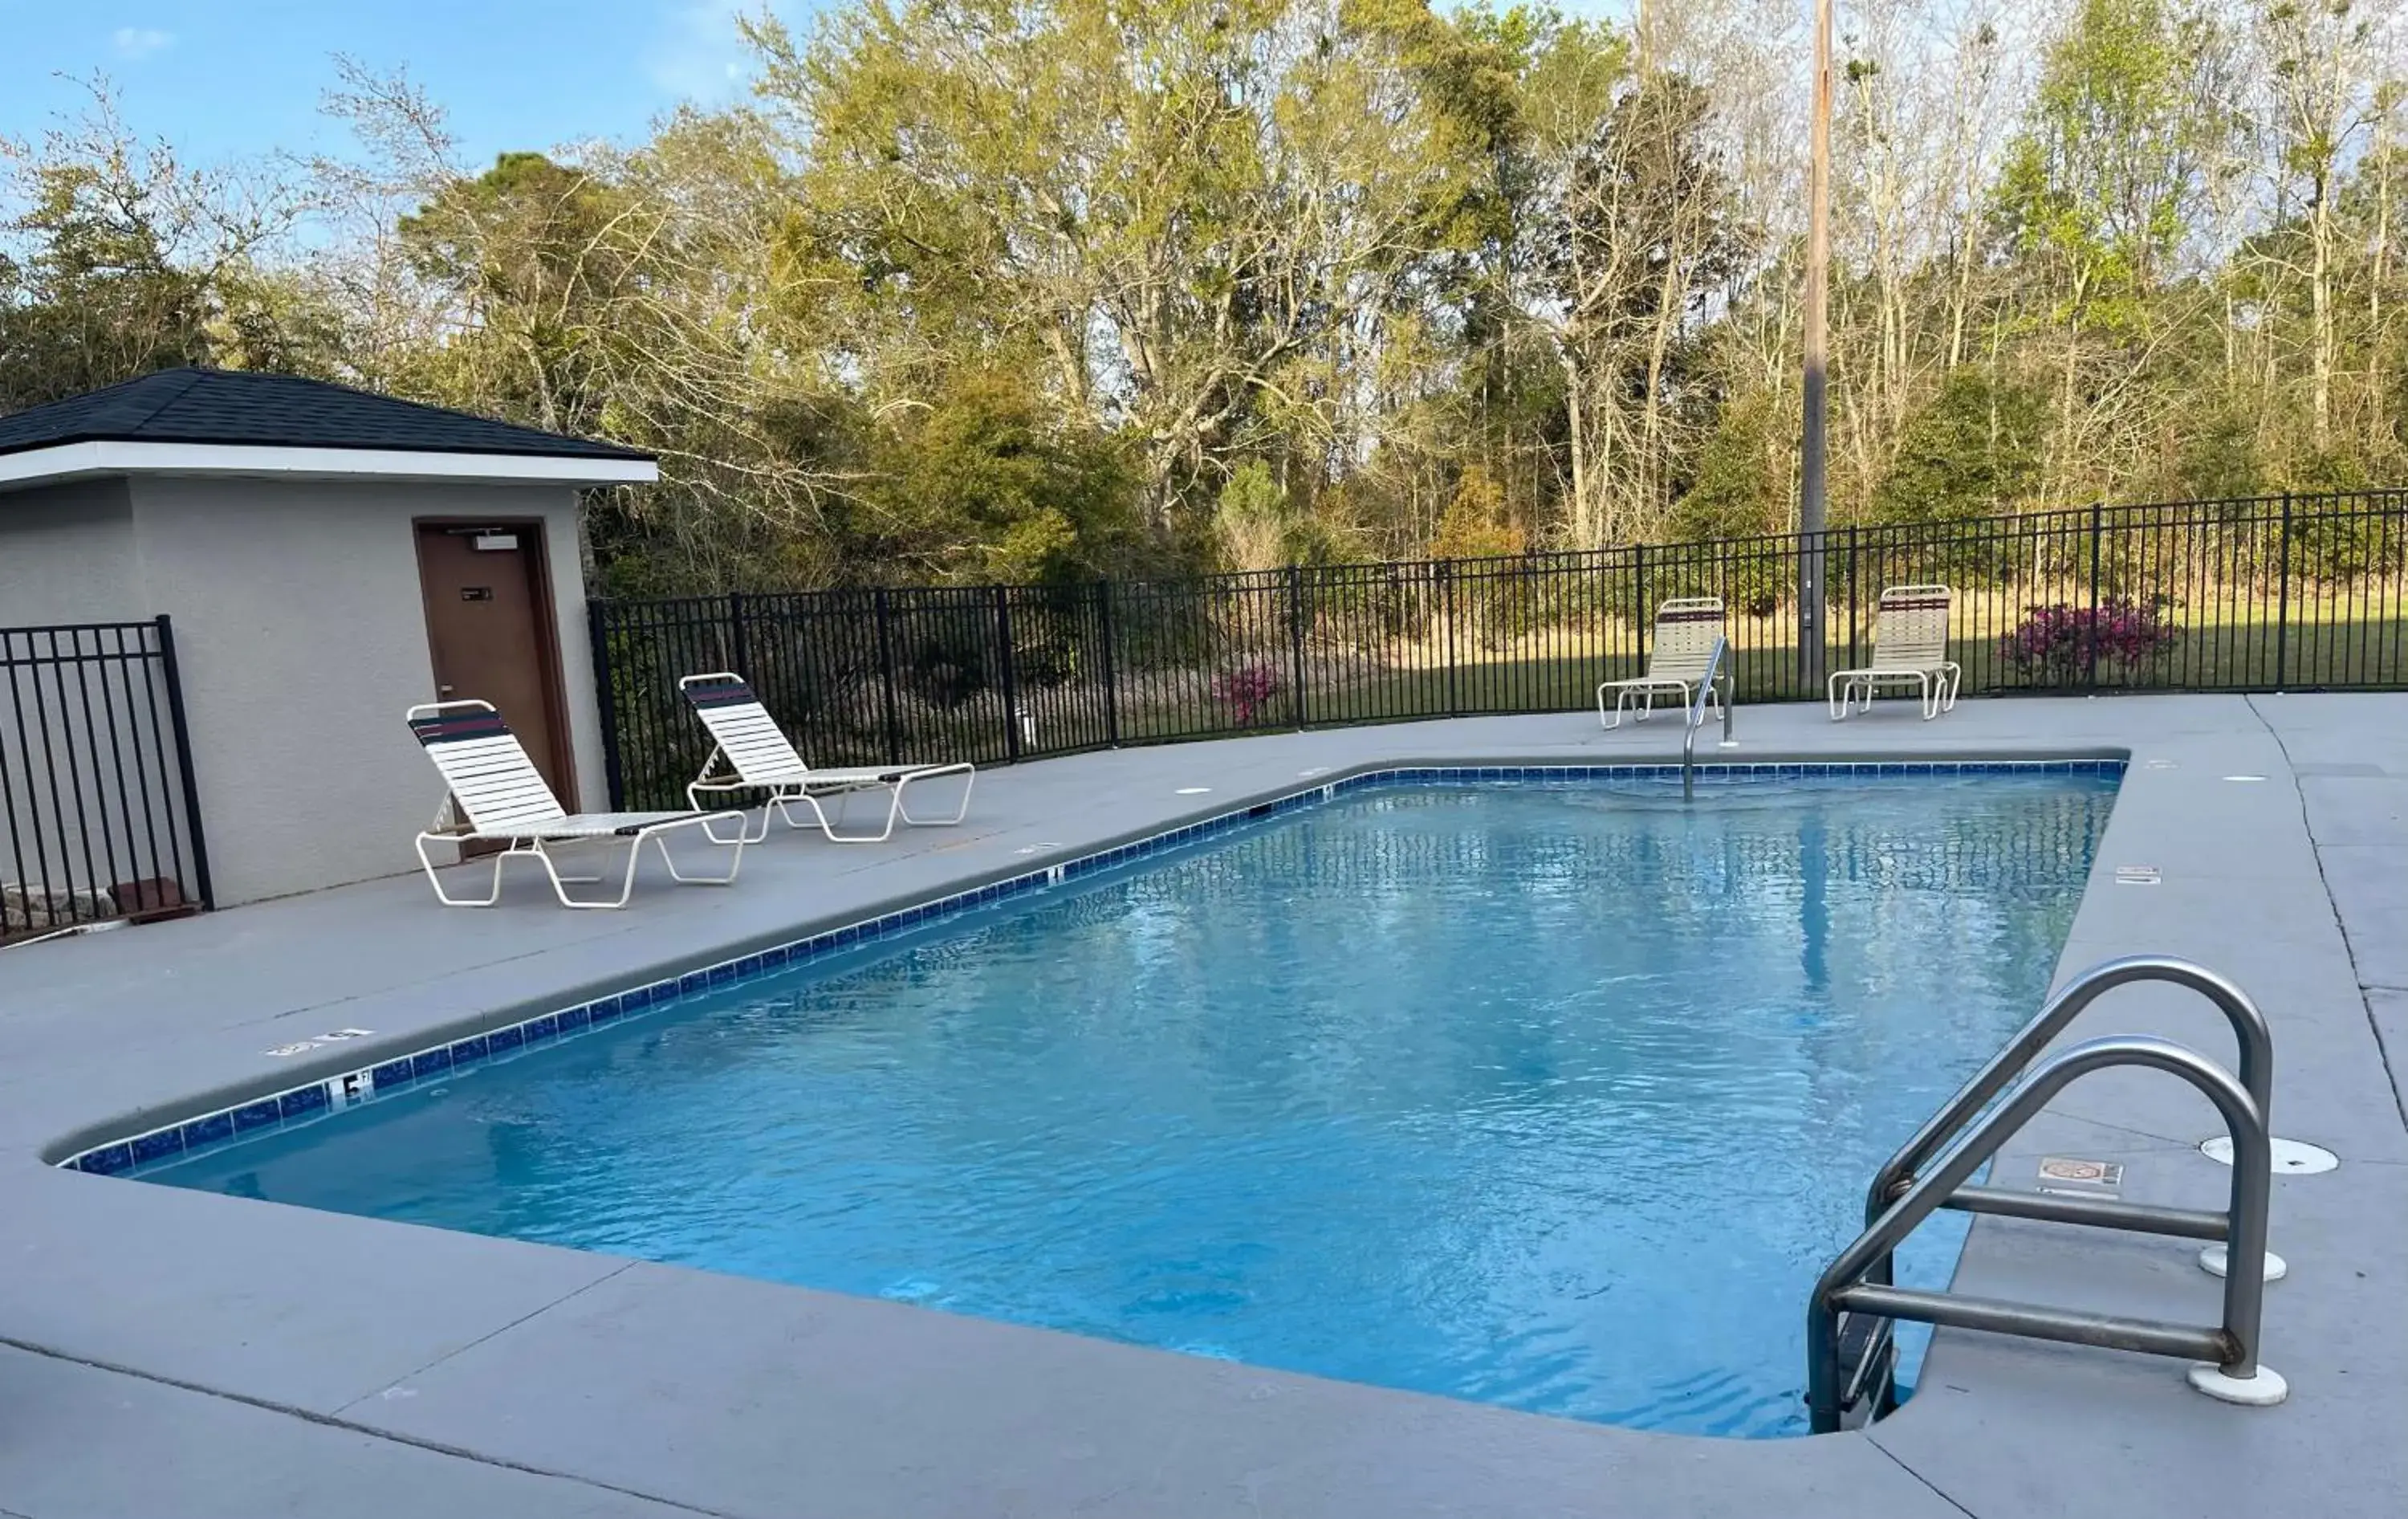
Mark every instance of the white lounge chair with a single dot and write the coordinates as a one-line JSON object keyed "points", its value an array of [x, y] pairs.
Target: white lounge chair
{"points": [[752, 753], [498, 796], [1686, 630], [1910, 648]]}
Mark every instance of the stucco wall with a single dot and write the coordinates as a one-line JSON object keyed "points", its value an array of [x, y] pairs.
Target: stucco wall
{"points": [[88, 799], [302, 636], [66, 555]]}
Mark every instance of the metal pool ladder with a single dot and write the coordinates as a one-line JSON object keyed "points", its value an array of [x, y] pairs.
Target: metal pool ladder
{"points": [[1717, 668], [1851, 1354]]}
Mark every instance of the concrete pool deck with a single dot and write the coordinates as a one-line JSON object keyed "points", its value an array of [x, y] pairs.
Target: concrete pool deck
{"points": [[174, 1354]]}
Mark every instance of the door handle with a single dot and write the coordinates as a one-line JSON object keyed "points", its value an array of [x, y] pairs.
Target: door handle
{"points": [[444, 691]]}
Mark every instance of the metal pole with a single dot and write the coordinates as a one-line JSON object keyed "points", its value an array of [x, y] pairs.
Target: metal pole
{"points": [[168, 667], [2283, 598], [614, 770], [886, 673], [1011, 685], [1112, 667], [1811, 451], [1296, 636], [1446, 585], [2090, 640]]}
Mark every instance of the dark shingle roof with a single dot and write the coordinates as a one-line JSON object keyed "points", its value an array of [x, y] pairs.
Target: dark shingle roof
{"points": [[227, 406]]}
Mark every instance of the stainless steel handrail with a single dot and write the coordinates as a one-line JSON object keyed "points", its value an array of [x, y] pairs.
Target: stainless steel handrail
{"points": [[1844, 1287], [1695, 718], [2256, 1073]]}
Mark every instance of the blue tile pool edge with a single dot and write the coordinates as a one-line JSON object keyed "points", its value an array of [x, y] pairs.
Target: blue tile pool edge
{"points": [[315, 1101]]}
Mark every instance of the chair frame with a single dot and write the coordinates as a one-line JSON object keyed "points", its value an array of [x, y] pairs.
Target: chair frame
{"points": [[527, 820], [1917, 618], [759, 756], [1686, 629]]}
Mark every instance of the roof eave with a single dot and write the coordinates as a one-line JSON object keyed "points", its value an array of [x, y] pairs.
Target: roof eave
{"points": [[60, 462]]}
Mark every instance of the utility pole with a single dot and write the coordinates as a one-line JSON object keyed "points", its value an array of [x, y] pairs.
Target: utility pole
{"points": [[1813, 451]]}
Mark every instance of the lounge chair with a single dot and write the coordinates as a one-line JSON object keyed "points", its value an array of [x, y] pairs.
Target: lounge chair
{"points": [[1910, 648], [752, 753], [498, 796], [1686, 630]]}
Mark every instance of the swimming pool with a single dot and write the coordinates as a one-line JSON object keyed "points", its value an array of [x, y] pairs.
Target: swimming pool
{"points": [[1550, 1096]]}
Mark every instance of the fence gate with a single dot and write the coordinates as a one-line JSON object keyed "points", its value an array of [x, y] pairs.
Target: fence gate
{"points": [[98, 814]]}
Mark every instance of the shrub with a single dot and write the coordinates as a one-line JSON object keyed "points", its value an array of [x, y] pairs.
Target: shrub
{"points": [[2056, 645], [1246, 693]]}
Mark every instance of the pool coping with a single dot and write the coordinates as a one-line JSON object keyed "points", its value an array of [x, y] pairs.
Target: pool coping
{"points": [[641, 1389], [483, 1041]]}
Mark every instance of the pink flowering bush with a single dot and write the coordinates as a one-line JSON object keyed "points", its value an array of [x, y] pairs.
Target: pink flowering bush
{"points": [[2055, 645], [1246, 692]]}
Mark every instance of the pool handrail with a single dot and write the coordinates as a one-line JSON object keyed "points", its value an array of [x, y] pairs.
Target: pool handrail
{"points": [[1847, 1285], [2255, 1069], [1717, 665]]}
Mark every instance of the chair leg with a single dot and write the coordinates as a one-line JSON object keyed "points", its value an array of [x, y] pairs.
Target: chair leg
{"points": [[969, 779], [1926, 695], [744, 834], [1831, 698], [560, 882], [828, 825], [492, 897], [584, 880], [658, 838]]}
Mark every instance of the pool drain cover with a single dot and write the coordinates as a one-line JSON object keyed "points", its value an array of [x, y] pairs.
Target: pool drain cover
{"points": [[2291, 1156]]}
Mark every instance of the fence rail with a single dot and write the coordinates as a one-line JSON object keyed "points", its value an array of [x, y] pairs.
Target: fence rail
{"points": [[2258, 594], [98, 816]]}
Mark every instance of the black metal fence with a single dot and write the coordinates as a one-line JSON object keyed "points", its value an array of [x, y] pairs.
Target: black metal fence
{"points": [[2249, 594], [98, 816]]}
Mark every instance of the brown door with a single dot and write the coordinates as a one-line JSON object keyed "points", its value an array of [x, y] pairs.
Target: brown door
{"points": [[489, 624]]}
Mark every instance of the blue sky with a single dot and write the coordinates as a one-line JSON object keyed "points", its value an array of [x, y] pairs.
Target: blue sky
{"points": [[227, 79], [231, 78]]}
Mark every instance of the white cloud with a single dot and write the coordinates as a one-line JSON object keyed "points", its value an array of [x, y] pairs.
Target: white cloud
{"points": [[697, 53], [142, 41]]}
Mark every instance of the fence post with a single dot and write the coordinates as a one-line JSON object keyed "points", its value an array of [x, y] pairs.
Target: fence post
{"points": [[1111, 665], [1296, 636], [175, 675], [605, 701], [740, 656], [1639, 599], [1857, 603], [1011, 687], [886, 673], [1446, 592], [2283, 599], [2091, 640]]}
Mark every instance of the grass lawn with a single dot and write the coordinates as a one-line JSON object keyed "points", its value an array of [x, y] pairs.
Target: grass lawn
{"points": [[2227, 656]]}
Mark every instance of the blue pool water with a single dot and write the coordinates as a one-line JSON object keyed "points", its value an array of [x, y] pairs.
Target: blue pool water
{"points": [[1556, 1096]]}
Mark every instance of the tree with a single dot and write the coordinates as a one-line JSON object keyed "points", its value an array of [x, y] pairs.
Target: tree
{"points": [[1639, 241], [127, 263], [2100, 190], [988, 484], [1973, 451], [1033, 289]]}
